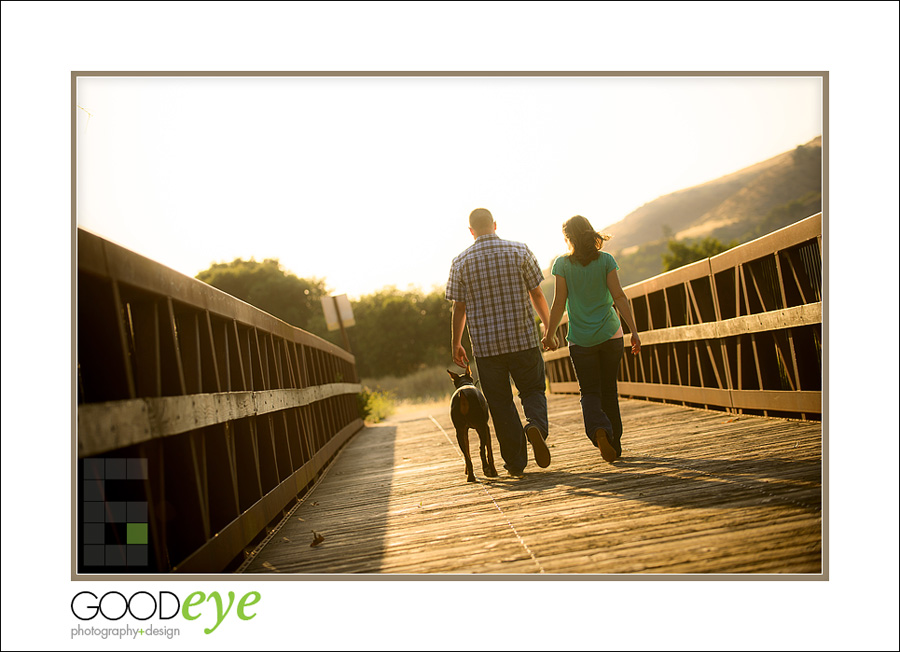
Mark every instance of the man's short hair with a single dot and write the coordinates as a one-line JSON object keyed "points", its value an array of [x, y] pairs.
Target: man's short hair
{"points": [[481, 219]]}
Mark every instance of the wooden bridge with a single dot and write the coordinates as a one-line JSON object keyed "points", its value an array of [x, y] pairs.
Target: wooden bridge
{"points": [[214, 438], [695, 492]]}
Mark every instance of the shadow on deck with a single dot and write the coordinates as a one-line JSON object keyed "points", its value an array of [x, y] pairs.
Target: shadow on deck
{"points": [[696, 492]]}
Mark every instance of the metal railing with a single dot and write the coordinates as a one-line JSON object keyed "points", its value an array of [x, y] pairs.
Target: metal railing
{"points": [[740, 331], [225, 413]]}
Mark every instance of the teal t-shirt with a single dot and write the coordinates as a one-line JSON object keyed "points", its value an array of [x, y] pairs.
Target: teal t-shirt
{"points": [[592, 314]]}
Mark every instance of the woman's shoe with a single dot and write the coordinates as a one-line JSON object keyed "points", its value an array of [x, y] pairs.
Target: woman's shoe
{"points": [[606, 448]]}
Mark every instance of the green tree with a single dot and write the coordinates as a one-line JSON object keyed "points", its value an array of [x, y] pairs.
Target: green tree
{"points": [[397, 332], [268, 286], [680, 254]]}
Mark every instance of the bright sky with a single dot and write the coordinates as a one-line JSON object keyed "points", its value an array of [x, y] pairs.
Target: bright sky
{"points": [[368, 181]]}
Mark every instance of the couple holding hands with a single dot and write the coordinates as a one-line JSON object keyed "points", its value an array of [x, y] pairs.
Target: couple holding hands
{"points": [[493, 285]]}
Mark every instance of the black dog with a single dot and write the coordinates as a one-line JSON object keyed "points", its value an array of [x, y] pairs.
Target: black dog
{"points": [[469, 409]]}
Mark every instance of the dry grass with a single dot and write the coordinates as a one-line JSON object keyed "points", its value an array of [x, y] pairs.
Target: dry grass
{"points": [[423, 386]]}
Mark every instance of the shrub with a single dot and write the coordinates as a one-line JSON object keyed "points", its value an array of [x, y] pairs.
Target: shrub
{"points": [[375, 406]]}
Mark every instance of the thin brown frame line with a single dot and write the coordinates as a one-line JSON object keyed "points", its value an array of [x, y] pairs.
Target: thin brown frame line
{"points": [[445, 73]]}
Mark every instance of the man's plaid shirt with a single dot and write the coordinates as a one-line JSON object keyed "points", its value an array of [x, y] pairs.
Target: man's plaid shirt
{"points": [[493, 278]]}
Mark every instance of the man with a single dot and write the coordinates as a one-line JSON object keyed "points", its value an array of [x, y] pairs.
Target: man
{"points": [[493, 285]]}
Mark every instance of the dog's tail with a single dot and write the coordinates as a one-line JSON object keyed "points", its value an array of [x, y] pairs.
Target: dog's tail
{"points": [[463, 404]]}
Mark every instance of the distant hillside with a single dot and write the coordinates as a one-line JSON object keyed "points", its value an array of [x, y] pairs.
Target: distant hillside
{"points": [[740, 206]]}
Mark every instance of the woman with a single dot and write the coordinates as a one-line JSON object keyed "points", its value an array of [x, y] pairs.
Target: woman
{"points": [[588, 288]]}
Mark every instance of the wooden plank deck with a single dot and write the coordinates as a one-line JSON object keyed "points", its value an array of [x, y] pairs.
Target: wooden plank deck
{"points": [[696, 492]]}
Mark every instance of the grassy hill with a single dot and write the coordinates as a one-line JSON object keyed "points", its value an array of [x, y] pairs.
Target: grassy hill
{"points": [[740, 206]]}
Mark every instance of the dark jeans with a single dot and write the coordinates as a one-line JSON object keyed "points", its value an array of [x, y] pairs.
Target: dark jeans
{"points": [[527, 371], [596, 368]]}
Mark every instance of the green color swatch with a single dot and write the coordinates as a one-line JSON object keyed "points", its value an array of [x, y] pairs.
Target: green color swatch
{"points": [[137, 533]]}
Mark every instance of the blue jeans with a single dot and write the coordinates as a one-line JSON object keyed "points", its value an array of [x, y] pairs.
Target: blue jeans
{"points": [[527, 371], [596, 368]]}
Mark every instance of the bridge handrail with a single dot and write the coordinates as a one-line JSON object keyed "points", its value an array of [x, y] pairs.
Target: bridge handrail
{"points": [[739, 331], [235, 411]]}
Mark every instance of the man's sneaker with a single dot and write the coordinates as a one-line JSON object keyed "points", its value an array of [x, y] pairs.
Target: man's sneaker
{"points": [[606, 448], [538, 446], [514, 473]]}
